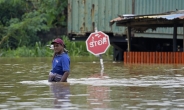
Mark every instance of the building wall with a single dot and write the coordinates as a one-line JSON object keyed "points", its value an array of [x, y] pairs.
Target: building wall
{"points": [[85, 15], [158, 6]]}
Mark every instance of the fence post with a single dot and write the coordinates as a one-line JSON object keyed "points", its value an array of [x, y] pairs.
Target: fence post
{"points": [[125, 57]]}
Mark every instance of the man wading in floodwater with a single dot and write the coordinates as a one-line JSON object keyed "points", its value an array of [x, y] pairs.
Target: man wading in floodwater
{"points": [[60, 63]]}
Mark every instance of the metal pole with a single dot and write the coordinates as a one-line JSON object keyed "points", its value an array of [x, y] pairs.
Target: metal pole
{"points": [[96, 30], [101, 59], [102, 65]]}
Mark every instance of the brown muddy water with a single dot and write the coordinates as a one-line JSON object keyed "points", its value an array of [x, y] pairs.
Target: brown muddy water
{"points": [[24, 86]]}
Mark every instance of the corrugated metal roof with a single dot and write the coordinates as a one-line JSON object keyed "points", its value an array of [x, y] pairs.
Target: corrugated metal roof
{"points": [[168, 17], [142, 23], [155, 7]]}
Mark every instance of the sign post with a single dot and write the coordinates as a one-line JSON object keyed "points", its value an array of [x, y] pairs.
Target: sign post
{"points": [[97, 44]]}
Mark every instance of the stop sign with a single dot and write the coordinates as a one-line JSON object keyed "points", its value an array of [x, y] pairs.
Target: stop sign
{"points": [[97, 43]]}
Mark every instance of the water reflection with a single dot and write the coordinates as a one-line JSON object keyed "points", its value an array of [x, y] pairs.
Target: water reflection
{"points": [[98, 95], [61, 92]]}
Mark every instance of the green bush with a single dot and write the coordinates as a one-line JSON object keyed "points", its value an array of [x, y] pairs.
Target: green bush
{"points": [[39, 50]]}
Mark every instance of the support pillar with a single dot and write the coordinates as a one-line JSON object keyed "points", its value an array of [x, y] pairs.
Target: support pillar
{"points": [[183, 37], [175, 38], [129, 39]]}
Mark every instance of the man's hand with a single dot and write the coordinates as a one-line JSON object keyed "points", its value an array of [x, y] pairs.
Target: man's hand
{"points": [[65, 76]]}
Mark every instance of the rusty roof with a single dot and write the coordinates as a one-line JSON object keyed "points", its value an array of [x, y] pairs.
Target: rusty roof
{"points": [[141, 23]]}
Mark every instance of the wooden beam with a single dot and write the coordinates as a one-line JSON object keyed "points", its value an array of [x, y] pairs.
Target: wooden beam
{"points": [[175, 38], [183, 37], [149, 23], [129, 39]]}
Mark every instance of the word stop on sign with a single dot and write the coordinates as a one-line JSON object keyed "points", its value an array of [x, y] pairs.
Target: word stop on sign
{"points": [[97, 43]]}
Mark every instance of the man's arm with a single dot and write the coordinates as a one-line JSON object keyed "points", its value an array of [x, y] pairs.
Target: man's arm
{"points": [[64, 77]]}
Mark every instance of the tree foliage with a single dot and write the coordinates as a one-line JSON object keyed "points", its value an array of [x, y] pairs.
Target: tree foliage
{"points": [[21, 20]]}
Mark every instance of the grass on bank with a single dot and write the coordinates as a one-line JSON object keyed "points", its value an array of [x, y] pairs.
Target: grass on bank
{"points": [[39, 50]]}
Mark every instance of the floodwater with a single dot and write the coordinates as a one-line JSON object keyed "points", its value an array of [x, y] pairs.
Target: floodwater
{"points": [[24, 86]]}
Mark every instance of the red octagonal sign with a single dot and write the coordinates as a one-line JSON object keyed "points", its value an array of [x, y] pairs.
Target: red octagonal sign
{"points": [[97, 43]]}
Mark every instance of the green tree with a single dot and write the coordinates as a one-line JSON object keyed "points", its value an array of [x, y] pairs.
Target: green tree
{"points": [[21, 20]]}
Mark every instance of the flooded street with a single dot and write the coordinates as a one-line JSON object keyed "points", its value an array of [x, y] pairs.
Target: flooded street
{"points": [[24, 85]]}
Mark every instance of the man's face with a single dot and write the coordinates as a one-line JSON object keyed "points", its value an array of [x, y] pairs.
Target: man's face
{"points": [[58, 48]]}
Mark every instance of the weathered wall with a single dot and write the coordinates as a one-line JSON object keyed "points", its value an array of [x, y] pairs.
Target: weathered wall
{"points": [[85, 15]]}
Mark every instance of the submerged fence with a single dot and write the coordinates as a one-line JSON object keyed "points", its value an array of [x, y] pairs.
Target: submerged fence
{"points": [[154, 57]]}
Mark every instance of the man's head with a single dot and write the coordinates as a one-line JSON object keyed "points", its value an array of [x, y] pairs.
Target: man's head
{"points": [[58, 45]]}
